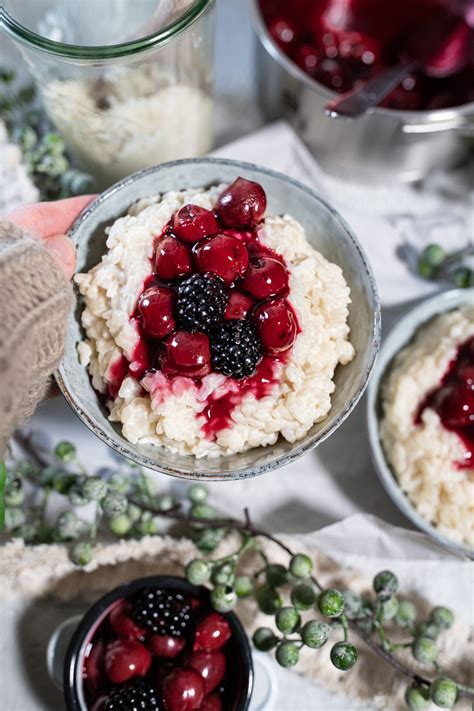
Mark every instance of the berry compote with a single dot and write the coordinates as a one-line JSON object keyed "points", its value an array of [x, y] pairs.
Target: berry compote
{"points": [[453, 400], [341, 42], [216, 301], [160, 649]]}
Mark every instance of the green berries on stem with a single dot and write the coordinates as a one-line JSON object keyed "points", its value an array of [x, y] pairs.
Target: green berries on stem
{"points": [[198, 572], [264, 639], [268, 599], [315, 634], [65, 451], [444, 692], [343, 656], [331, 603], [287, 654], [442, 617], [223, 598], [81, 553], [417, 698], [424, 650], [301, 566], [288, 620], [385, 585], [277, 575]]}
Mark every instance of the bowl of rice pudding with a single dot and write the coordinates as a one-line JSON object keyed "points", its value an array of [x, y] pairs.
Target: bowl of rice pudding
{"points": [[421, 417], [227, 319]]}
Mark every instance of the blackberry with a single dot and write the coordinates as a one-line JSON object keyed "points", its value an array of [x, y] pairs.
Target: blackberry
{"points": [[201, 303], [136, 696], [162, 612], [236, 349]]}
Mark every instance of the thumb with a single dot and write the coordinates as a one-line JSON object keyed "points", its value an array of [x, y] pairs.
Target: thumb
{"points": [[62, 250]]}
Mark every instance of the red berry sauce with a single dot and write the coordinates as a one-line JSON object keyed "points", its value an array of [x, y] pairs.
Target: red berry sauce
{"points": [[341, 42], [194, 671], [225, 244], [453, 401]]}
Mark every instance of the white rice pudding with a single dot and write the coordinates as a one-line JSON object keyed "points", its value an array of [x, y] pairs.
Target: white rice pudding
{"points": [[427, 458], [168, 412]]}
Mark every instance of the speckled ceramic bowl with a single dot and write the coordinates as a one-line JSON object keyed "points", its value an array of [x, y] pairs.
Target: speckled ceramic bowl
{"points": [[399, 337], [325, 230]]}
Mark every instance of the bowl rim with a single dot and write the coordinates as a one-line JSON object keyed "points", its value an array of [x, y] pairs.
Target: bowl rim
{"points": [[97, 610], [298, 451], [409, 325]]}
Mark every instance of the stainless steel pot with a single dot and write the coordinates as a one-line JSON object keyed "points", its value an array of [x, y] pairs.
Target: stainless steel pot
{"points": [[383, 145]]}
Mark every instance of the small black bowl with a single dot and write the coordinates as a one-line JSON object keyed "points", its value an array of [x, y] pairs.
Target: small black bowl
{"points": [[239, 683]]}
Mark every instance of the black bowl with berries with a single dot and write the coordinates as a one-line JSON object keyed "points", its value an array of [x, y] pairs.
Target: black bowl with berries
{"points": [[156, 643]]}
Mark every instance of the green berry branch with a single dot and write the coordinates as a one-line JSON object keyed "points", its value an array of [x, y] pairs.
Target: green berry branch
{"points": [[305, 613], [435, 264]]}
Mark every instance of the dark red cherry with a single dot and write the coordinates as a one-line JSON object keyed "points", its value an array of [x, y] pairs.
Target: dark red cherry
{"points": [[187, 354], [455, 406], [192, 223], [212, 632], [238, 306], [125, 659], [122, 624], [224, 256], [210, 665], [307, 57], [465, 375], [358, 48], [94, 665], [242, 204], [183, 690], [165, 646], [156, 310], [334, 74], [285, 32], [277, 326], [211, 703], [266, 277], [172, 259]]}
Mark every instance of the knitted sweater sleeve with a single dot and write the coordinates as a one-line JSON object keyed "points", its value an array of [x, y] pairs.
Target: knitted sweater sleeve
{"points": [[35, 300]]}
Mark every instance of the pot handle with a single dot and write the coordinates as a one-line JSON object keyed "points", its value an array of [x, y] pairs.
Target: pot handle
{"points": [[57, 648], [464, 125]]}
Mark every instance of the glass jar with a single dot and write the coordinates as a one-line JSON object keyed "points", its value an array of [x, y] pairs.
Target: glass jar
{"points": [[128, 83]]}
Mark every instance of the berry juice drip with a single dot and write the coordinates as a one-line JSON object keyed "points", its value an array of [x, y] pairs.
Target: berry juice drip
{"points": [[216, 301], [453, 400]]}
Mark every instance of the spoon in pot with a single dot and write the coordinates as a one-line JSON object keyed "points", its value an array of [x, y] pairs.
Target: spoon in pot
{"points": [[451, 39]]}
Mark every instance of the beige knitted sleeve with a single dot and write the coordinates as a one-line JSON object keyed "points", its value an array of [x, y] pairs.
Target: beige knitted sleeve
{"points": [[35, 300]]}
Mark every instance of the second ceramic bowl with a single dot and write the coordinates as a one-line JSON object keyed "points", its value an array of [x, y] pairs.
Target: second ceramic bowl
{"points": [[325, 230]]}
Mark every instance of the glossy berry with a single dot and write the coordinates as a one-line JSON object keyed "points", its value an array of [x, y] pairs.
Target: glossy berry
{"points": [[162, 612], [236, 349], [303, 596], [277, 575], [139, 695], [276, 325], [192, 223], [210, 665], [211, 703], [223, 598], [172, 259], [385, 584], [444, 692], [455, 406], [343, 656], [268, 599], [125, 659], [284, 32], [264, 639], [198, 572], [266, 277], [331, 603], [287, 654], [314, 633], [242, 204], [155, 307], [183, 690], [122, 624], [224, 256], [166, 646], [301, 566], [186, 354], [201, 303], [239, 306], [212, 632], [288, 620]]}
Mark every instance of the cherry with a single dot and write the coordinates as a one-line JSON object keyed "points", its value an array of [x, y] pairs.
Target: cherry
{"points": [[277, 326], [126, 658], [186, 354], [183, 690], [224, 256], [211, 703], [165, 646], [93, 666], [455, 406], [238, 306], [122, 624], [334, 74], [242, 204], [284, 32], [210, 665], [266, 277], [212, 632], [172, 259], [307, 57], [466, 375], [358, 47], [155, 307], [192, 223]]}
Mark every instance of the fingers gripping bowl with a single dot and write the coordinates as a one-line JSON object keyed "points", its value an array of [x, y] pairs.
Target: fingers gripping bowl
{"points": [[284, 244]]}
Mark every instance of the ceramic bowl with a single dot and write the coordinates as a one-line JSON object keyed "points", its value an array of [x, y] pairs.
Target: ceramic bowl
{"points": [[239, 682], [325, 230], [399, 337]]}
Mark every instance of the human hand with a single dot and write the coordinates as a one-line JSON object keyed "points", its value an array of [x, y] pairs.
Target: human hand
{"points": [[50, 221]]}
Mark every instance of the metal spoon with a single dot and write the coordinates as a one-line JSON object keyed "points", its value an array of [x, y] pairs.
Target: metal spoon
{"points": [[451, 39]]}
